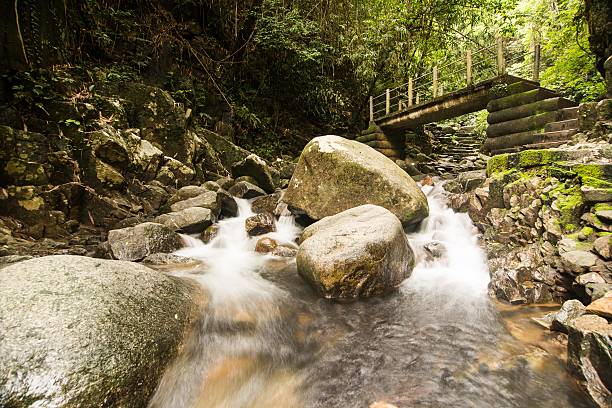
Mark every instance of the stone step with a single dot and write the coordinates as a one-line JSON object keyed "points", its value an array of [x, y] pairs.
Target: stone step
{"points": [[561, 125], [569, 113]]}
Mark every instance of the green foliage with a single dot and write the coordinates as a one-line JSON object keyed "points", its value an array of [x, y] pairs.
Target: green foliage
{"points": [[568, 66]]}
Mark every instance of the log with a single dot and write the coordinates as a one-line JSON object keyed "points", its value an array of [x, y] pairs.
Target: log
{"points": [[519, 99], [511, 140], [545, 105], [527, 138], [522, 125]]}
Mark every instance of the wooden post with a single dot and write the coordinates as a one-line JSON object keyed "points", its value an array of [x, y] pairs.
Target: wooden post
{"points": [[469, 67], [441, 92], [435, 81], [388, 102], [501, 61], [536, 62], [371, 109], [409, 92], [417, 98]]}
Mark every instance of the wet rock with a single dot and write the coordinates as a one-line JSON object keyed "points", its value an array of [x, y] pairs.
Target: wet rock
{"points": [[570, 310], [260, 224], [434, 250], [88, 332], [267, 177], [427, 181], [285, 251], [209, 233], [169, 259], [135, 243], [602, 306], [589, 357], [190, 220], [229, 207], [204, 200], [358, 253], [335, 174], [266, 204], [243, 189], [546, 320], [265, 245], [578, 262], [603, 246]]}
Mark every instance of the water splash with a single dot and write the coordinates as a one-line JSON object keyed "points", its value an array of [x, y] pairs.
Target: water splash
{"points": [[458, 276]]}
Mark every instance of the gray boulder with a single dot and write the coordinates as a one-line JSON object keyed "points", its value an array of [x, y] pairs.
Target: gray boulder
{"points": [[254, 166], [335, 174], [85, 332], [190, 220], [357, 253], [135, 243]]}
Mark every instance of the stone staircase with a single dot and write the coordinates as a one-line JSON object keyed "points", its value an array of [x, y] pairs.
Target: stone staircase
{"points": [[458, 152]]}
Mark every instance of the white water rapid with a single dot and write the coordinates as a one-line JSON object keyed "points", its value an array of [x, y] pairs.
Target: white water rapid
{"points": [[265, 339]]}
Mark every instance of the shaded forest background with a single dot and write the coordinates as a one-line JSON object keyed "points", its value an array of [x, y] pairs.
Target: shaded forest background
{"points": [[280, 71]]}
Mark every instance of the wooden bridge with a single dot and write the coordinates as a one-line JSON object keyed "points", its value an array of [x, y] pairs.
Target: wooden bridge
{"points": [[521, 113]]}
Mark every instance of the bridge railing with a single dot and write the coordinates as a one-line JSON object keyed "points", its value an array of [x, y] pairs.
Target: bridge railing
{"points": [[505, 56]]}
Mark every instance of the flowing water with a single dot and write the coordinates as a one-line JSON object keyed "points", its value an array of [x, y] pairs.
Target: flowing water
{"points": [[267, 340]]}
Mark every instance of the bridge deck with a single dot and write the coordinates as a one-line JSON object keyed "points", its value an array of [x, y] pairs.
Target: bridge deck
{"points": [[466, 100]]}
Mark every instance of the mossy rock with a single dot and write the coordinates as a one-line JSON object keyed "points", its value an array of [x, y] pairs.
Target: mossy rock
{"points": [[89, 332], [335, 174]]}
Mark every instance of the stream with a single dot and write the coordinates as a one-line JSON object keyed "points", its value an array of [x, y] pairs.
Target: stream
{"points": [[267, 340]]}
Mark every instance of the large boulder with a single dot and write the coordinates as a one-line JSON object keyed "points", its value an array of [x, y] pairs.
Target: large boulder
{"points": [[359, 252], [334, 174], [136, 243], [80, 331], [589, 357]]}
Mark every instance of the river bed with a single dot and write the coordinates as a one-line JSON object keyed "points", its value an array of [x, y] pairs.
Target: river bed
{"points": [[267, 340]]}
